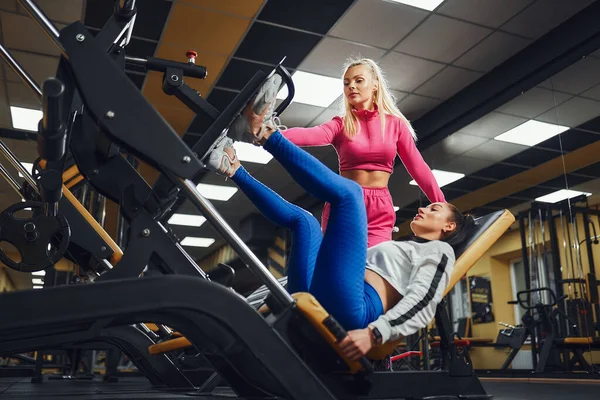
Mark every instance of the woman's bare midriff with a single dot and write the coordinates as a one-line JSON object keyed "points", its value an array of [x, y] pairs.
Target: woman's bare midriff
{"points": [[370, 179], [389, 296]]}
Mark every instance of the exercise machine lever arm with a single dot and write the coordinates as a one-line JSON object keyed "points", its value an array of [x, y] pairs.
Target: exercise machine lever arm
{"points": [[189, 69]]}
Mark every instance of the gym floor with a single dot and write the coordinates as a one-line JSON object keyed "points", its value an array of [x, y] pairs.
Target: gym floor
{"points": [[138, 388]]}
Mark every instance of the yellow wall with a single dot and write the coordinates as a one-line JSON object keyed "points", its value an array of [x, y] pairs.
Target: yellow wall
{"points": [[495, 264]]}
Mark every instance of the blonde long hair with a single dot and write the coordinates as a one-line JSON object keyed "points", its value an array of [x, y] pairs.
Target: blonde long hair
{"points": [[383, 98]]}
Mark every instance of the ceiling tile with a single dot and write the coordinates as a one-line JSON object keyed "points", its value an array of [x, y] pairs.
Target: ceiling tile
{"points": [[459, 143], [442, 39], [436, 157], [576, 78], [469, 184], [38, 67], [495, 151], [406, 73], [570, 140], [299, 115], [532, 157], [220, 99], [448, 82], [593, 125], [310, 15], [141, 48], [591, 186], [191, 26], [406, 214], [238, 73], [152, 16], [378, 23], [150, 21], [403, 193], [533, 192], [481, 211], [398, 95], [338, 104], [560, 182], [329, 56], [542, 16], [325, 116], [326, 154], [452, 194], [590, 170], [5, 120], [492, 125], [269, 44], [416, 203], [492, 51], [506, 202], [293, 192], [593, 93], [500, 171], [466, 165], [30, 37], [24, 150], [9, 5], [414, 106], [20, 95], [491, 12], [246, 8], [572, 113], [534, 102], [275, 169], [66, 11]]}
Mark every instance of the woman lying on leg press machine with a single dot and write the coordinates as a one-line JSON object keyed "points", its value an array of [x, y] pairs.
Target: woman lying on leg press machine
{"points": [[389, 291]]}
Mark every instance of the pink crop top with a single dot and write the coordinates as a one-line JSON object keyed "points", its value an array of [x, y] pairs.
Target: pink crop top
{"points": [[370, 150]]}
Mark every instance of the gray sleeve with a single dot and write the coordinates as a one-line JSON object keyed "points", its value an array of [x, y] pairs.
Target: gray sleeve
{"points": [[424, 292]]}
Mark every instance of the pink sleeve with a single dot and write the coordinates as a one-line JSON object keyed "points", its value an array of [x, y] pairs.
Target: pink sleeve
{"points": [[417, 167], [321, 135]]}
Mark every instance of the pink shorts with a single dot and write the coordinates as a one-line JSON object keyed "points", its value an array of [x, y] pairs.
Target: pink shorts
{"points": [[381, 216]]}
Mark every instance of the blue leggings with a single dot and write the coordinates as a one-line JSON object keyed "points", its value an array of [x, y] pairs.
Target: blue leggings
{"points": [[330, 266]]}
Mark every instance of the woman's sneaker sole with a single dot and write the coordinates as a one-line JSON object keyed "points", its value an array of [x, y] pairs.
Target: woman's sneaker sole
{"points": [[267, 95]]}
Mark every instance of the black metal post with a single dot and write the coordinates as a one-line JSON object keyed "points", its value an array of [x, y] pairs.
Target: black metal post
{"points": [[524, 251], [588, 242], [556, 261], [527, 283]]}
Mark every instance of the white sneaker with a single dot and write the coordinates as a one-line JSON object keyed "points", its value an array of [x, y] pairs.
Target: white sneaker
{"points": [[266, 97], [220, 161]]}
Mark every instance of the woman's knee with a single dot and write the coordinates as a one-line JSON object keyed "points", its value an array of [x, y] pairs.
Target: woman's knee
{"points": [[306, 222], [353, 195]]}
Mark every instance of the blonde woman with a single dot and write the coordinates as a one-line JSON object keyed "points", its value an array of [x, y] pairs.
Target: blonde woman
{"points": [[367, 138]]}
